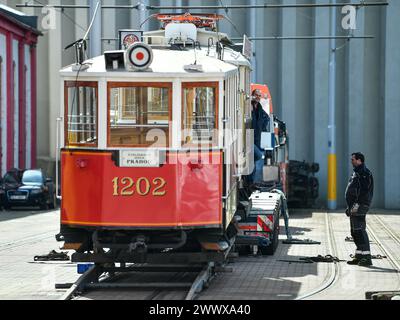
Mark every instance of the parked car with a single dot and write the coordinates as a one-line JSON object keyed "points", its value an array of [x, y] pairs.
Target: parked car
{"points": [[11, 180], [1, 193], [28, 188]]}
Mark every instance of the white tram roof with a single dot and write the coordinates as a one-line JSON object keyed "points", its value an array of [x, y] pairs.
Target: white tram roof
{"points": [[169, 63]]}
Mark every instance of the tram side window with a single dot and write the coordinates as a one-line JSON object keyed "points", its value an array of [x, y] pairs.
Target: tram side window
{"points": [[199, 121], [139, 114], [81, 113]]}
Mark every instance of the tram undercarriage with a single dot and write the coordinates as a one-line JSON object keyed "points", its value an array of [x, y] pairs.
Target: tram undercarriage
{"points": [[144, 246]]}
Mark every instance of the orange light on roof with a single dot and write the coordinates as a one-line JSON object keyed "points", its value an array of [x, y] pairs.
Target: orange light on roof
{"points": [[199, 20]]}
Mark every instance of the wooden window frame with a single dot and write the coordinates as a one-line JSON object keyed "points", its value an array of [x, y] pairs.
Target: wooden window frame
{"points": [[77, 84], [188, 85], [115, 84]]}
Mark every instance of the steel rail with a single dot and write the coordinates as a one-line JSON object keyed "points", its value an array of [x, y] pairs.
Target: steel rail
{"points": [[85, 283], [394, 236], [71, 292], [205, 276], [391, 258], [334, 271], [26, 241], [159, 291], [387, 252]]}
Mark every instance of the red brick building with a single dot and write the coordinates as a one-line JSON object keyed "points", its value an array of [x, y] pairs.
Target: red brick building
{"points": [[18, 39]]}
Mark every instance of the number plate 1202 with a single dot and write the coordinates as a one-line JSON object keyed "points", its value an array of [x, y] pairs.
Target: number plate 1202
{"points": [[127, 187]]}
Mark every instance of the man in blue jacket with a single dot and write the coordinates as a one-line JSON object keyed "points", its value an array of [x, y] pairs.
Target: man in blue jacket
{"points": [[359, 193], [259, 123]]}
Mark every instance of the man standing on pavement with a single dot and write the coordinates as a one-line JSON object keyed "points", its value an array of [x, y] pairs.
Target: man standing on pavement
{"points": [[359, 193]]}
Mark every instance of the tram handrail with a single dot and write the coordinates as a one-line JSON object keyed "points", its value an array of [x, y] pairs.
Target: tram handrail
{"points": [[59, 120]]}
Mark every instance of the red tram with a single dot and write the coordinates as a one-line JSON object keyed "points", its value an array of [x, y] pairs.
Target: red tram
{"points": [[155, 146]]}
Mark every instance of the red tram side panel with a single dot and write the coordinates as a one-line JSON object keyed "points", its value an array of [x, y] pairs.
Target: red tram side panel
{"points": [[184, 192]]}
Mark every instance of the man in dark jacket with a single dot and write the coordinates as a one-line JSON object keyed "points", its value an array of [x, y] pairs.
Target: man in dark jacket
{"points": [[359, 193], [259, 123]]}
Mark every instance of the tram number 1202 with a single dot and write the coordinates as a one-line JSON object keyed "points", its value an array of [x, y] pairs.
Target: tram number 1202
{"points": [[127, 187]]}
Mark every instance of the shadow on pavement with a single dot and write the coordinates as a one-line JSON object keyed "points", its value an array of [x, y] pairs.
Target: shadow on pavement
{"points": [[378, 269], [265, 277], [22, 212]]}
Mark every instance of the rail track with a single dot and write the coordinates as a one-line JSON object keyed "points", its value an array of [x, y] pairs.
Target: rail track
{"points": [[191, 280], [385, 295], [29, 240], [334, 268], [335, 271], [391, 256], [151, 281]]}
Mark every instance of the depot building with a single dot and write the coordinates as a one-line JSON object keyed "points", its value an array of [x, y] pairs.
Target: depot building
{"points": [[18, 39]]}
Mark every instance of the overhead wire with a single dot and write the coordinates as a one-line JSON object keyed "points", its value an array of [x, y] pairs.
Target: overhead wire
{"points": [[63, 13], [228, 18]]}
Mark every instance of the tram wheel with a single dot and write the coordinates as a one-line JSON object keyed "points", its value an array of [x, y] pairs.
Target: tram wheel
{"points": [[271, 248]]}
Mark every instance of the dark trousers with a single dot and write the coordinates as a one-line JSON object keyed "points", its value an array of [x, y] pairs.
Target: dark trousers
{"points": [[359, 233], [257, 174]]}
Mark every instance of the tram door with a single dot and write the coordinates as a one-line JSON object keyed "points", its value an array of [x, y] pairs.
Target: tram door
{"points": [[231, 145]]}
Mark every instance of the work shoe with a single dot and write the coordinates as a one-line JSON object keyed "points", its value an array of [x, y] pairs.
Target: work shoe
{"points": [[365, 262], [355, 260]]}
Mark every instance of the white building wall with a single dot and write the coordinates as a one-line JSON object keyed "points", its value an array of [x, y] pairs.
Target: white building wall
{"points": [[16, 102], [3, 104], [28, 114]]}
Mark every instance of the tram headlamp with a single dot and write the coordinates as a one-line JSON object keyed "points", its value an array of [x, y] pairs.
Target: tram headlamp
{"points": [[138, 56]]}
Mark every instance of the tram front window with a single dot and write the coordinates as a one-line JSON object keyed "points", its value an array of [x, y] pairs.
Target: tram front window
{"points": [[81, 113], [199, 121], [139, 114]]}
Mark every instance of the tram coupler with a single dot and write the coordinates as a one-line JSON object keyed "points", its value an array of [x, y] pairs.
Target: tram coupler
{"points": [[138, 248]]}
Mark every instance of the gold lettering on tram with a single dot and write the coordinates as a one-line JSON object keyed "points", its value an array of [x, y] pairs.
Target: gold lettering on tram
{"points": [[162, 183], [115, 185], [126, 187], [147, 187], [128, 182]]}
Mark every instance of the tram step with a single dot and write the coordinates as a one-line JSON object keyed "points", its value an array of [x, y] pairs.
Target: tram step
{"points": [[176, 285]]}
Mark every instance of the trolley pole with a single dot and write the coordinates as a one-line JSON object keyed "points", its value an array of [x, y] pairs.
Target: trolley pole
{"points": [[332, 159]]}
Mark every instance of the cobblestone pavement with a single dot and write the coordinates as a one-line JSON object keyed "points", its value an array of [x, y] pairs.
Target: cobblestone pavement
{"points": [[25, 234], [354, 281]]}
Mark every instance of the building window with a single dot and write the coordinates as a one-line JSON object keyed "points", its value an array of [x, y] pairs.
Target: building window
{"points": [[200, 113], [81, 104], [139, 114]]}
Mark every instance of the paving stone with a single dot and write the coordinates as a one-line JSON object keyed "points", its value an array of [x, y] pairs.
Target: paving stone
{"points": [[25, 234]]}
